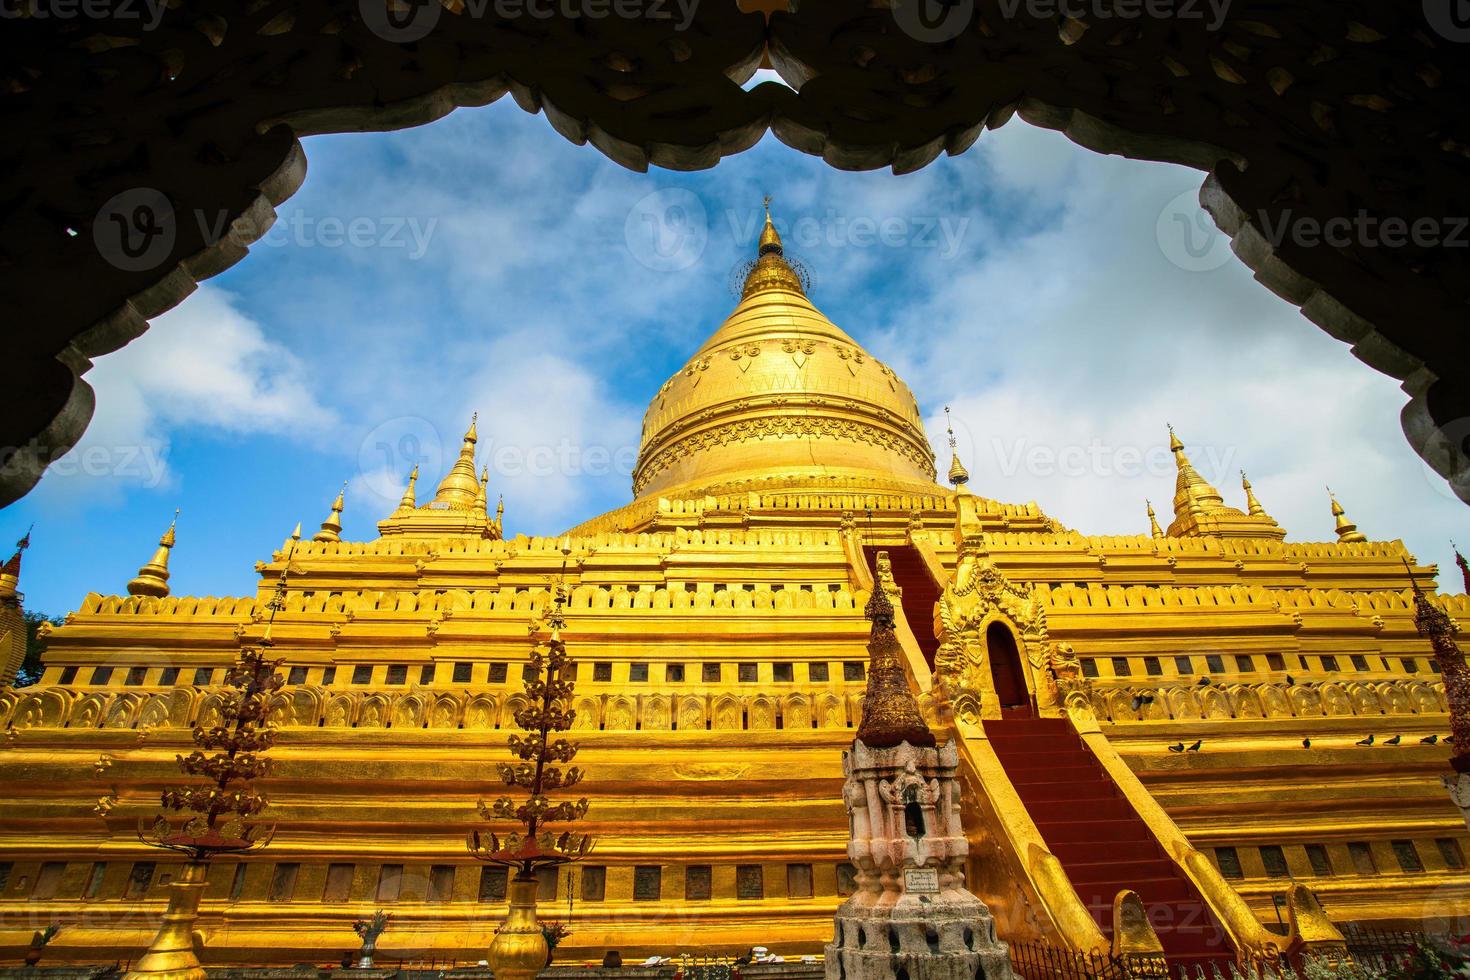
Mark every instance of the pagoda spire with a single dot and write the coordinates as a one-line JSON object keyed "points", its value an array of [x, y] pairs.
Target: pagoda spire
{"points": [[459, 488], [1153, 522], [1252, 505], [890, 712], [958, 475], [410, 497], [332, 526], [10, 571], [1464, 568], [1347, 531], [1193, 494], [152, 578], [771, 270]]}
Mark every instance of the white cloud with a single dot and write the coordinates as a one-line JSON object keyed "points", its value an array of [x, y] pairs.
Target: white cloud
{"points": [[204, 366], [1063, 352]]}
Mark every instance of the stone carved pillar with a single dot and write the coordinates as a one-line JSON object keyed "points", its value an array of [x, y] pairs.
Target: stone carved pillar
{"points": [[911, 916]]}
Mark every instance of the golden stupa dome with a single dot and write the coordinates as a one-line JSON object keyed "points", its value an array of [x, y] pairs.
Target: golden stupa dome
{"points": [[780, 391]]}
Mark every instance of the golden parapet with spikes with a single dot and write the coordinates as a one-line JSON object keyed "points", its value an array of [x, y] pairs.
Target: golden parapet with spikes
{"points": [[152, 578]]}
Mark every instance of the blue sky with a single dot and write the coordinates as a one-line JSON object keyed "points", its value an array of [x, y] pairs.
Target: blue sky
{"points": [[1065, 304]]}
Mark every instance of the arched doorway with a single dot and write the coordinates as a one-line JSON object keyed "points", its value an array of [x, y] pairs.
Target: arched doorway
{"points": [[1005, 667]]}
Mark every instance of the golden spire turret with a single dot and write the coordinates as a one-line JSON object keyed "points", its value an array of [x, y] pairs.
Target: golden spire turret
{"points": [[958, 475], [1153, 522], [1252, 505], [10, 572], [499, 512], [481, 501], [1192, 492], [1347, 531], [459, 488], [1200, 511], [890, 711], [771, 270], [410, 497], [332, 526], [153, 577]]}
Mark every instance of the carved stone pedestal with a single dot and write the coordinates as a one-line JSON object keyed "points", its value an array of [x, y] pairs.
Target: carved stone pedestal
{"points": [[911, 917]]}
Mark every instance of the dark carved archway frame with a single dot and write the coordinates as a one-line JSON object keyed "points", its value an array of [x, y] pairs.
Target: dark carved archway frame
{"points": [[1307, 110]]}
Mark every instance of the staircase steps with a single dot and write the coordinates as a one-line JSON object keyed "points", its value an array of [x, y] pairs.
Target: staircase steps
{"points": [[1102, 843], [920, 593]]}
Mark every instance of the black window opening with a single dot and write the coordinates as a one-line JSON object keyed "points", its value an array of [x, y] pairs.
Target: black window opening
{"points": [[746, 673], [674, 673], [362, 674], [710, 673], [854, 670], [637, 673], [1229, 861], [463, 672], [817, 672]]}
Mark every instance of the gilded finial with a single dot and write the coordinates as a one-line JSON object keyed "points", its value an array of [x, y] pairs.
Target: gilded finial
{"points": [[770, 238], [1193, 494], [958, 475], [332, 526], [152, 579], [1347, 531], [1153, 522], [10, 571], [1252, 505], [409, 497], [296, 532], [460, 490]]}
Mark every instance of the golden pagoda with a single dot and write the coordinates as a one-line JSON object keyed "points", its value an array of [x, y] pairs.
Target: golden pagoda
{"points": [[1180, 715]]}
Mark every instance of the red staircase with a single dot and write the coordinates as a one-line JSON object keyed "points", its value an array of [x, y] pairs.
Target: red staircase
{"points": [[1102, 843], [919, 591]]}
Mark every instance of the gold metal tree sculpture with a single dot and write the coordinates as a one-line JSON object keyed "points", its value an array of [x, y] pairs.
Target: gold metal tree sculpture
{"points": [[229, 758], [519, 950], [1435, 625]]}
